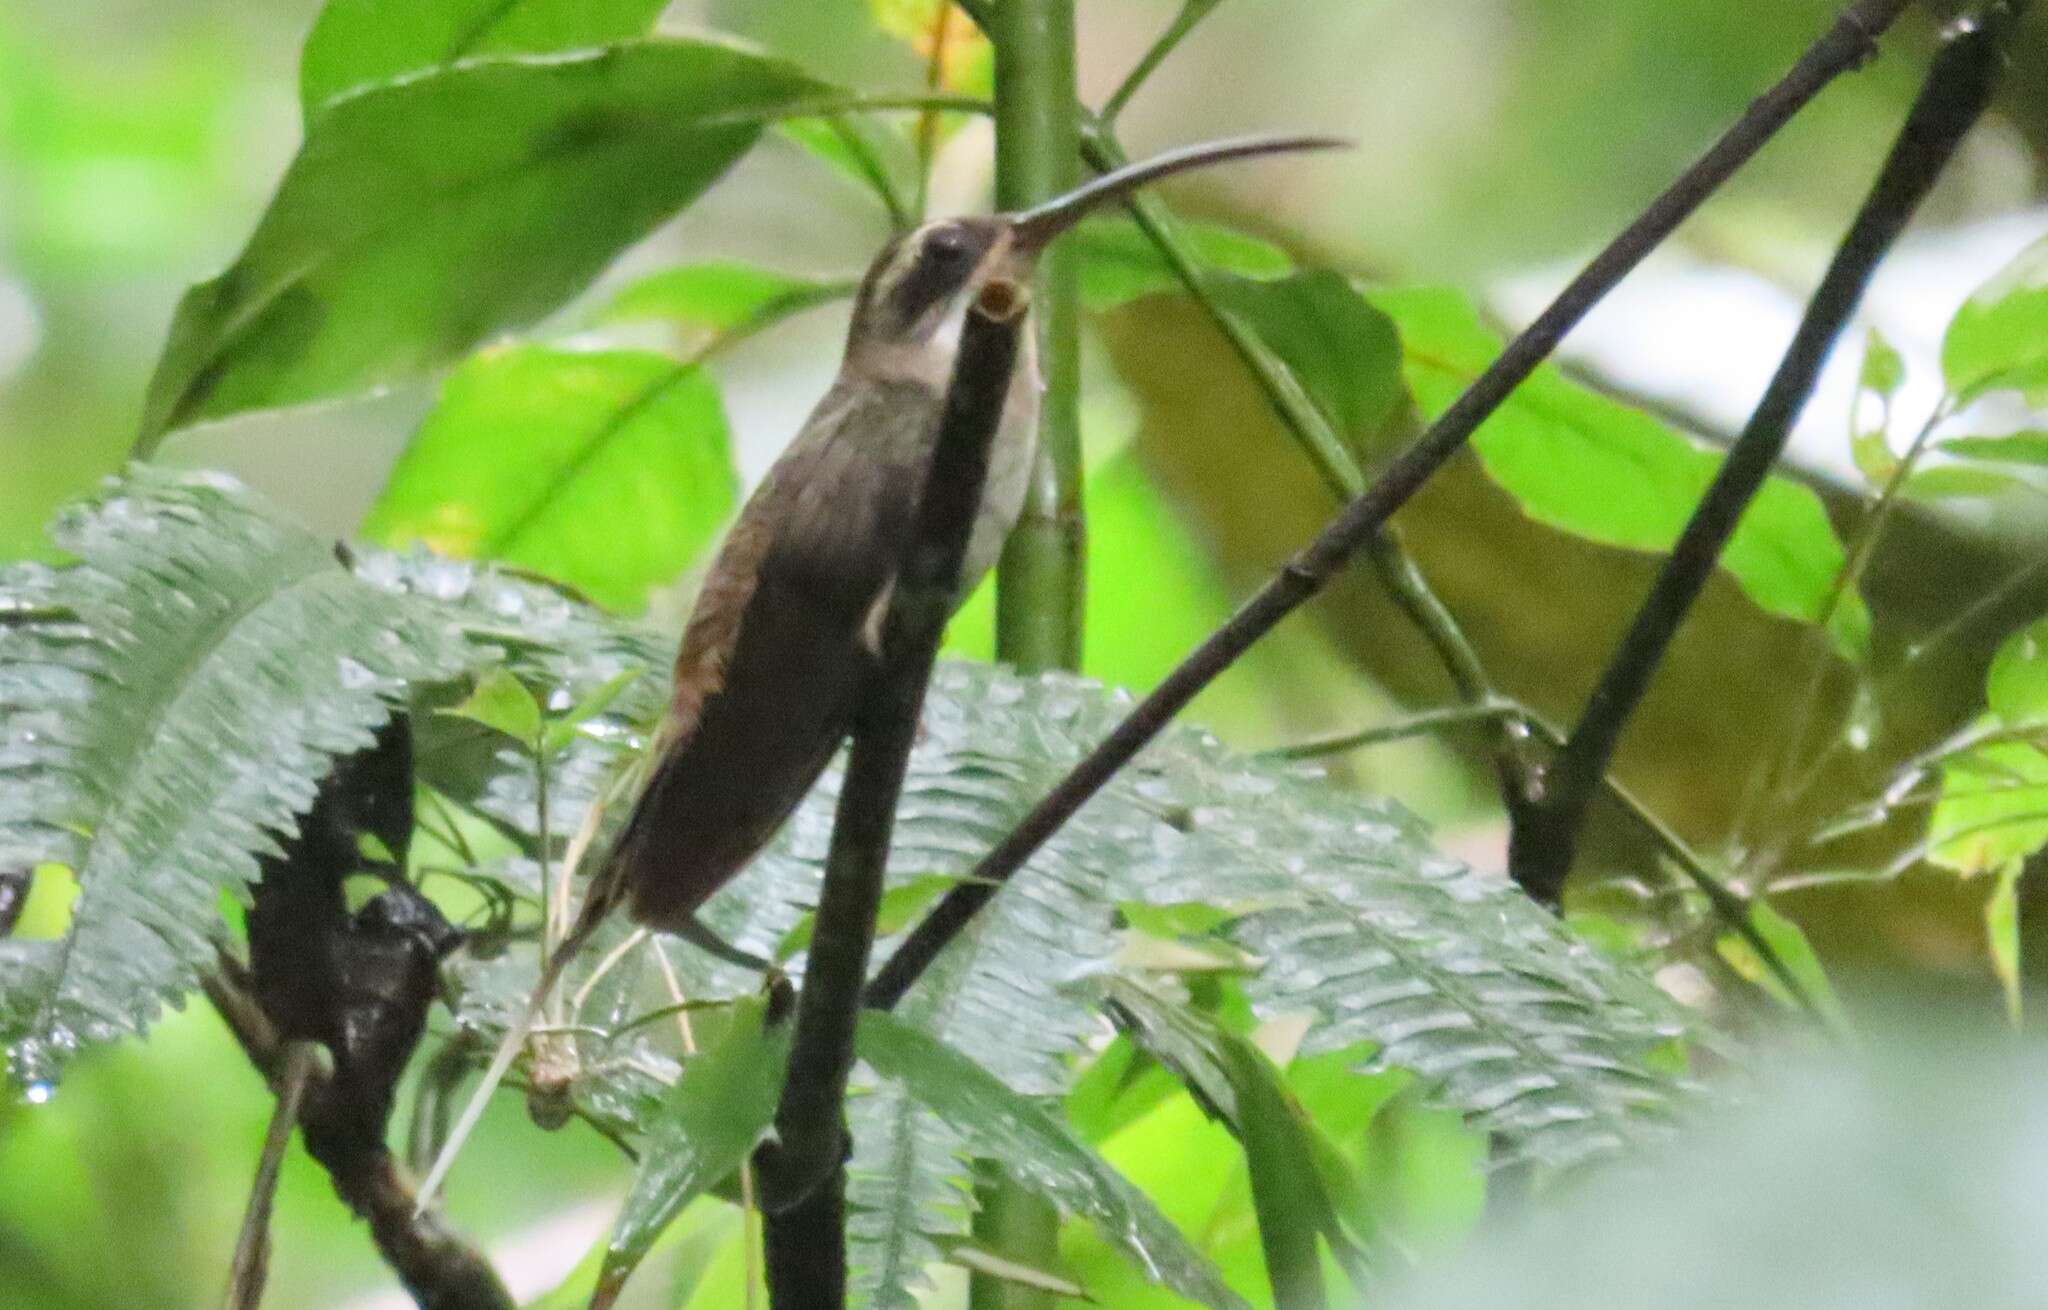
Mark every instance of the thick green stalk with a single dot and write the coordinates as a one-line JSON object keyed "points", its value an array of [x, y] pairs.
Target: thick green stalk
{"points": [[1017, 1225], [1039, 586], [1041, 581]]}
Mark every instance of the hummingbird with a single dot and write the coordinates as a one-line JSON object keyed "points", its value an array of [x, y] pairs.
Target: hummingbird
{"points": [[787, 628], [786, 631]]}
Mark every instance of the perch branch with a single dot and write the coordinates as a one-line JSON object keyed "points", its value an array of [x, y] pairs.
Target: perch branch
{"points": [[802, 1174], [1847, 44], [1958, 87]]}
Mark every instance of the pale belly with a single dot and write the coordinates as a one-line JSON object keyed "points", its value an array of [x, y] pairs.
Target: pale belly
{"points": [[1011, 461]]}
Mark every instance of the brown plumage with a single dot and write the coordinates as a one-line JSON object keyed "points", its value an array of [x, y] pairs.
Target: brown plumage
{"points": [[787, 627], [777, 649]]}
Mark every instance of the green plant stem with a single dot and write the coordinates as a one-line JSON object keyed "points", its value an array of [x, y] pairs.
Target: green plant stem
{"points": [[1040, 581], [1192, 12], [1976, 610], [1415, 725], [1397, 569], [828, 106], [1776, 781], [902, 215], [1041, 595], [1019, 1226]]}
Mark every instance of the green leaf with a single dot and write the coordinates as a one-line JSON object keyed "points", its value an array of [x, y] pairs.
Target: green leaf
{"points": [[561, 731], [1883, 373], [707, 1127], [909, 1194], [1993, 811], [1190, 1165], [424, 214], [1344, 352], [168, 703], [860, 148], [722, 297], [1950, 482], [900, 907], [2016, 685], [1872, 452], [1883, 369], [1012, 1274], [1037, 1151], [1452, 974], [1288, 1159], [1790, 944], [356, 42], [606, 470], [1115, 1089], [2029, 447], [1998, 340], [1119, 263], [502, 703], [1587, 465]]}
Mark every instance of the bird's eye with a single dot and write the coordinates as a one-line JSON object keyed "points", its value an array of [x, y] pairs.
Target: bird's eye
{"points": [[949, 245]]}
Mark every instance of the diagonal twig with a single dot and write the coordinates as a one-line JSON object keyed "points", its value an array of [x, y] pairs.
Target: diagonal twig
{"points": [[1544, 837], [1846, 45], [249, 1271], [1399, 573], [433, 1262]]}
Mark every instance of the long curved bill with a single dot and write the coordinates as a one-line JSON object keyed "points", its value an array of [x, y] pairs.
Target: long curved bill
{"points": [[1035, 228]]}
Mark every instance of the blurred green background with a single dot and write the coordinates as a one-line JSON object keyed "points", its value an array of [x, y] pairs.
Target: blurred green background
{"points": [[1500, 139]]}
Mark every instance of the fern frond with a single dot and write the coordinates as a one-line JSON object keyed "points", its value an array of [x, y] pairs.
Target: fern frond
{"points": [[1454, 975], [906, 1185], [168, 703]]}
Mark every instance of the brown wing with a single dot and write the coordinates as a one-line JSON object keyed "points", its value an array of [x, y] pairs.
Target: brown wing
{"points": [[776, 652]]}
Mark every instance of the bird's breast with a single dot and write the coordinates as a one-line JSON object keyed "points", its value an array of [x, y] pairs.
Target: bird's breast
{"points": [[1011, 460]]}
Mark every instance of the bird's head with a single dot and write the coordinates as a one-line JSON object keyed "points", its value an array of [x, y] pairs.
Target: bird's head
{"points": [[916, 292]]}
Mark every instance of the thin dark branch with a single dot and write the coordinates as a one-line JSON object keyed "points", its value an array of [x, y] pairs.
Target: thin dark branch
{"points": [[1847, 44], [1736, 911], [1403, 578], [1958, 88], [806, 1220], [1415, 725], [434, 1264], [249, 1271]]}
